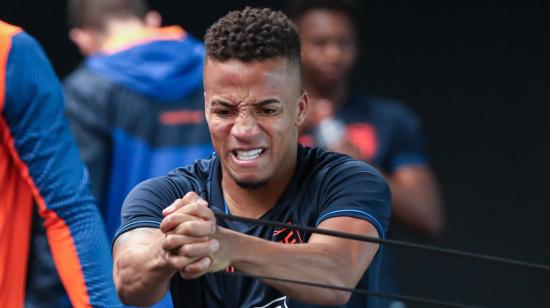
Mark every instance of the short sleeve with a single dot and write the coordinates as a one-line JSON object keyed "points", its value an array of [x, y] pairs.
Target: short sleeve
{"points": [[355, 189], [408, 147], [144, 204]]}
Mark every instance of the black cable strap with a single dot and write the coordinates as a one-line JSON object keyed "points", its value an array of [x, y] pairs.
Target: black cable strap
{"points": [[414, 299], [363, 238]]}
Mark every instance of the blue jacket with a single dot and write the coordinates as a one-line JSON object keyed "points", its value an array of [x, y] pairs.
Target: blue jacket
{"points": [[137, 113]]}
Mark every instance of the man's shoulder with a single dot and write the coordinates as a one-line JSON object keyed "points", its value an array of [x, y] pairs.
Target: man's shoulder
{"points": [[86, 82], [380, 106], [24, 42], [201, 170], [322, 163], [391, 108], [175, 184], [84, 74]]}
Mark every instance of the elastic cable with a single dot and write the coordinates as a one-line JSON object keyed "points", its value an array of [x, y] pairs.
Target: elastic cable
{"points": [[363, 238], [406, 298]]}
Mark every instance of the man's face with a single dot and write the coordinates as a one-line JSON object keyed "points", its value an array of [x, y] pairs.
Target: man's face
{"points": [[329, 47], [253, 112]]}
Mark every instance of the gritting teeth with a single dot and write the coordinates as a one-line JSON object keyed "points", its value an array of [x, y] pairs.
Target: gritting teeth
{"points": [[248, 155]]}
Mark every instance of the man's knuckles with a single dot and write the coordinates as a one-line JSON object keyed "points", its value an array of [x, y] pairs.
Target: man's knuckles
{"points": [[195, 228], [178, 261], [199, 249], [188, 198]]}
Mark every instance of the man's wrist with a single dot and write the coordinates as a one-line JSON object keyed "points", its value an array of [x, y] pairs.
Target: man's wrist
{"points": [[160, 263], [242, 249], [230, 245]]}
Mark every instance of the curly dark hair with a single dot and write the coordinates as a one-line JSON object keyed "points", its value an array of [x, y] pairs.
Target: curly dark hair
{"points": [[253, 34]]}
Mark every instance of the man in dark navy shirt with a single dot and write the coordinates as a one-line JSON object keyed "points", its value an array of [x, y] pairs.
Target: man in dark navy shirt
{"points": [[254, 101]]}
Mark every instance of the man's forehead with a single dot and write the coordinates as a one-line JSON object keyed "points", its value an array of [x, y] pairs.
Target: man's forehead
{"points": [[273, 67], [274, 74]]}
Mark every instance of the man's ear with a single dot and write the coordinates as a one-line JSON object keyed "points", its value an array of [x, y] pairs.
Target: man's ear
{"points": [[153, 19], [87, 41], [303, 104]]}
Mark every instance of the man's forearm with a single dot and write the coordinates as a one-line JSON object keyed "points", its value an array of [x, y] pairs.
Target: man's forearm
{"points": [[416, 198], [338, 265], [142, 275]]}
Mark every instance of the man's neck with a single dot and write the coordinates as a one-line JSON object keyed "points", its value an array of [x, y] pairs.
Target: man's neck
{"points": [[124, 27], [255, 202], [123, 32]]}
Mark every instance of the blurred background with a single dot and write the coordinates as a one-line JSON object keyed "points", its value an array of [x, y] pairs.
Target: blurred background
{"points": [[479, 77]]}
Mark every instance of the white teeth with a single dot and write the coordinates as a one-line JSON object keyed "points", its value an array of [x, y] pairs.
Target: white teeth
{"points": [[248, 155]]}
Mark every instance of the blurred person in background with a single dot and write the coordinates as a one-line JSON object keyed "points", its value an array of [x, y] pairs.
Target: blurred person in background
{"points": [[135, 104], [349, 120], [45, 198]]}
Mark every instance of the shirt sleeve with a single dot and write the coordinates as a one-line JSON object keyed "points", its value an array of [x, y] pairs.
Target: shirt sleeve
{"points": [[408, 147], [58, 180], [144, 204], [355, 189]]}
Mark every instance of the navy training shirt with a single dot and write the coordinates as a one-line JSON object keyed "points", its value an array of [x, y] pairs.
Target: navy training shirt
{"points": [[324, 185]]}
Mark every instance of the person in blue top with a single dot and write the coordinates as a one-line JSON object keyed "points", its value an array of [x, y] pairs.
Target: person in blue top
{"points": [[254, 104], [135, 104], [50, 228]]}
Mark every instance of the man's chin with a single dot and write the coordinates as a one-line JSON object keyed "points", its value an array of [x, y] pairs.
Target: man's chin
{"points": [[330, 81], [251, 184]]}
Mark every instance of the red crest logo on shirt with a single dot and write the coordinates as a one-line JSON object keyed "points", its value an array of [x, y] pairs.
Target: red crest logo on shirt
{"points": [[363, 137]]}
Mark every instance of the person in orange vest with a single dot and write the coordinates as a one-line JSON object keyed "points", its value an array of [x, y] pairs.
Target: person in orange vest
{"points": [[40, 166]]}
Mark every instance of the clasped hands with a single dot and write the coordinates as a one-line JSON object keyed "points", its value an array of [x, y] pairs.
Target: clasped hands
{"points": [[192, 240]]}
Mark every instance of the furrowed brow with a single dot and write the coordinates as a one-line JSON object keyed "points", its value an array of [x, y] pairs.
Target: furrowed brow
{"points": [[267, 102], [222, 103]]}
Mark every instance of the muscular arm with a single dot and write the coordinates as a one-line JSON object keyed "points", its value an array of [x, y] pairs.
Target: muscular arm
{"points": [[324, 259], [146, 258], [140, 272], [416, 199]]}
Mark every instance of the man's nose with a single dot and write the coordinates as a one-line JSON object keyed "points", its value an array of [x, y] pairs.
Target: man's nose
{"points": [[245, 127], [333, 52]]}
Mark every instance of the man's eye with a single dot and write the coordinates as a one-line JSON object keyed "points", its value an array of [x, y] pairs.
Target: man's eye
{"points": [[222, 112], [269, 111], [319, 43]]}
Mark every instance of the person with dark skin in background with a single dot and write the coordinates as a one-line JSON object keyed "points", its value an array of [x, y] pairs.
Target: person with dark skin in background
{"points": [[379, 131], [254, 106]]}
